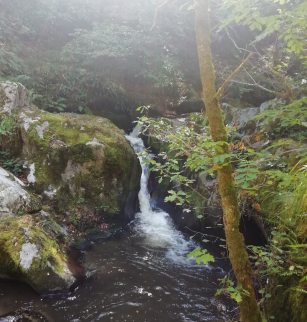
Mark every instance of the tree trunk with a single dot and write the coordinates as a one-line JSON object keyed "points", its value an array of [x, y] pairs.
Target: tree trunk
{"points": [[238, 256]]}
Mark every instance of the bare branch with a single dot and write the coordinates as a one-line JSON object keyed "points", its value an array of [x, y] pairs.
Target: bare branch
{"points": [[221, 89], [277, 94], [158, 10]]}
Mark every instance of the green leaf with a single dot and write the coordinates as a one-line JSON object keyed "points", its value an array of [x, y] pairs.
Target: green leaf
{"points": [[201, 256]]}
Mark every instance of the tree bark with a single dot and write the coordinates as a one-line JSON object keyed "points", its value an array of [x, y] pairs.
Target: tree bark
{"points": [[238, 256]]}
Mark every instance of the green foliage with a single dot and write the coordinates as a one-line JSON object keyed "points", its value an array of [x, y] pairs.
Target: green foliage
{"points": [[235, 292], [201, 256], [7, 126], [15, 165], [286, 17], [8, 130], [263, 178], [287, 115]]}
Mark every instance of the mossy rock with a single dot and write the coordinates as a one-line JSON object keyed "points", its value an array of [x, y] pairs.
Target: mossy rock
{"points": [[30, 254], [73, 157], [287, 303]]}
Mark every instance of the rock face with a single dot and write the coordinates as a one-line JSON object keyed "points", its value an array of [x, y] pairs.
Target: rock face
{"points": [[13, 197], [27, 251], [12, 96], [239, 118]]}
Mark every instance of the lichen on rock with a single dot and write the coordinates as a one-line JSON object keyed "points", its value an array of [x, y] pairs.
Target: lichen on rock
{"points": [[79, 156]]}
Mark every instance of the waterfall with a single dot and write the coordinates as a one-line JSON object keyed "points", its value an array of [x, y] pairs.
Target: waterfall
{"points": [[155, 225]]}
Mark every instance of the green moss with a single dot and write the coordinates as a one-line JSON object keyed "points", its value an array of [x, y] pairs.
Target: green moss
{"points": [[81, 153], [101, 174], [49, 251], [74, 129], [288, 304], [14, 233], [11, 241]]}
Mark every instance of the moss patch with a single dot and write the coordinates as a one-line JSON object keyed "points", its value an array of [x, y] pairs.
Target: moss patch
{"points": [[14, 232]]}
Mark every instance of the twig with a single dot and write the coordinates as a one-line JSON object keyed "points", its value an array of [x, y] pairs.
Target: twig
{"points": [[159, 8], [221, 89]]}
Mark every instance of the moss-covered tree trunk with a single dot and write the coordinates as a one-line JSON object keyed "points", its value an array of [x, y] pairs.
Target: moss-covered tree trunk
{"points": [[249, 309]]}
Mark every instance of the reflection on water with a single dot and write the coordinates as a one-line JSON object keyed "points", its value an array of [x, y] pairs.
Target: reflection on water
{"points": [[141, 274]]}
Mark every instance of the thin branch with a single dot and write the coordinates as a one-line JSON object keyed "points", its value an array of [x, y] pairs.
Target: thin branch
{"points": [[158, 10], [277, 94], [221, 89]]}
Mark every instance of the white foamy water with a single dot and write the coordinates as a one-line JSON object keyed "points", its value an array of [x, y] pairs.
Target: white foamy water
{"points": [[155, 225]]}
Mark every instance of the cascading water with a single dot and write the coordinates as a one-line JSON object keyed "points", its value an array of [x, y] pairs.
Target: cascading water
{"points": [[156, 225], [140, 275]]}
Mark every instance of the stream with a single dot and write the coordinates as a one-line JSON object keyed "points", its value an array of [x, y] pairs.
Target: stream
{"points": [[140, 274]]}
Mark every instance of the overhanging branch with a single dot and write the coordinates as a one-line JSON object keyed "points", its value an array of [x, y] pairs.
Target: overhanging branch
{"points": [[221, 89]]}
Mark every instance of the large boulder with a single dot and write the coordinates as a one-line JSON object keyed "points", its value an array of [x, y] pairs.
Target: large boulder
{"points": [[73, 158], [29, 250]]}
